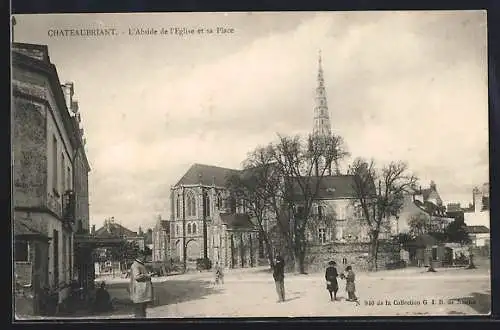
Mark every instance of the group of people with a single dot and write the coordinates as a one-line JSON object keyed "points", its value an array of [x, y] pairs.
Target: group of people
{"points": [[141, 288], [331, 276]]}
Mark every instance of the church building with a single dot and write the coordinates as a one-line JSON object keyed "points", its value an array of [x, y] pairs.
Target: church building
{"points": [[205, 222]]}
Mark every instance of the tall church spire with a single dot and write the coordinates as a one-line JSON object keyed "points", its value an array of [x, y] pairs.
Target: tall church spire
{"points": [[322, 126]]}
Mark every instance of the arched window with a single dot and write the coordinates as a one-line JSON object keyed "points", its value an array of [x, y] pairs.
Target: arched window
{"points": [[189, 228], [206, 203], [178, 206], [194, 228], [191, 205], [219, 201]]}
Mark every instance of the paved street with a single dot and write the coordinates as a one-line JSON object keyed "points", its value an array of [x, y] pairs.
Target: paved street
{"points": [[251, 293]]}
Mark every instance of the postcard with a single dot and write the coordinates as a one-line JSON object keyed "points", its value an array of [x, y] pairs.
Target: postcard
{"points": [[250, 164]]}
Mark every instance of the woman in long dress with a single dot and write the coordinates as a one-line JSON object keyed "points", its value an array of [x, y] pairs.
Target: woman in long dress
{"points": [[331, 280]]}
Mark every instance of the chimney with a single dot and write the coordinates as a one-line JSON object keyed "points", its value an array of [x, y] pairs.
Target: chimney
{"points": [[68, 93], [478, 200], [74, 106], [93, 230]]}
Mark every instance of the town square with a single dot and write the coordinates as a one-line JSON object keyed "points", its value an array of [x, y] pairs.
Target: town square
{"points": [[250, 165]]}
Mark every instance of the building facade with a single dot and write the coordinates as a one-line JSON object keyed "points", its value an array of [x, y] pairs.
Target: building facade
{"points": [[161, 240], [479, 213], [45, 136], [205, 222]]}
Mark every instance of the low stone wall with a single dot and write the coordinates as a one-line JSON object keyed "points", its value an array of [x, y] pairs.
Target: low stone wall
{"points": [[345, 254]]}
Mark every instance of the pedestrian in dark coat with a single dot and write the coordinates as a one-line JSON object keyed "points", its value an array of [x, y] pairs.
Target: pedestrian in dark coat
{"points": [[331, 280], [279, 277]]}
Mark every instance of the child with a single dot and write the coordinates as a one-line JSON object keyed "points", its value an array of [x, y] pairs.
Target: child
{"points": [[219, 275], [331, 280], [350, 287]]}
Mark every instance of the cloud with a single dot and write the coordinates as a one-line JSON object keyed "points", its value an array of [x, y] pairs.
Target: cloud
{"points": [[401, 86]]}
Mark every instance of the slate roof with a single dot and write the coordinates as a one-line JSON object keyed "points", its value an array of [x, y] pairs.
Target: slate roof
{"points": [[330, 187], [237, 221], [114, 230], [477, 230], [207, 175]]}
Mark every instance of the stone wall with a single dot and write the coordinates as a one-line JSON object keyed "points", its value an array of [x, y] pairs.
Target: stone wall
{"points": [[30, 153], [345, 254]]}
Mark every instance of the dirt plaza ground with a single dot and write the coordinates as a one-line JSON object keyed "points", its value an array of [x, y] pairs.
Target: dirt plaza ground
{"points": [[251, 293]]}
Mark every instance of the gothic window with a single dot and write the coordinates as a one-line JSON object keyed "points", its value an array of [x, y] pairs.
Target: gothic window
{"points": [[194, 228], [219, 201], [191, 205], [189, 228], [206, 204], [178, 207], [320, 211], [322, 235], [232, 204]]}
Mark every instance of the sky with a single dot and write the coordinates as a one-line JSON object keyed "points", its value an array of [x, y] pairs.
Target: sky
{"points": [[408, 86]]}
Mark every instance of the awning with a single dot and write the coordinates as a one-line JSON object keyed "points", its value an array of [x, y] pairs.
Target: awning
{"points": [[23, 229]]}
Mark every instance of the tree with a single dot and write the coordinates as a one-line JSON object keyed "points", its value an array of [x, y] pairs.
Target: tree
{"points": [[380, 203], [302, 164], [418, 223], [456, 232], [257, 188], [125, 252]]}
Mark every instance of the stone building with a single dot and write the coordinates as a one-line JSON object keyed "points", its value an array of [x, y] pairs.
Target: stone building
{"points": [[425, 203], [205, 222], [45, 137], [479, 213], [161, 240]]}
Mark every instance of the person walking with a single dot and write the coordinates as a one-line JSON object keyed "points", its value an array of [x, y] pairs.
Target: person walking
{"points": [[279, 277], [219, 274], [331, 280], [141, 288]]}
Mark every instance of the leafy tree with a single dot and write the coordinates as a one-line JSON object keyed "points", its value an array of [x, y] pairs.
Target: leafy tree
{"points": [[419, 224], [456, 232], [125, 252], [379, 203]]}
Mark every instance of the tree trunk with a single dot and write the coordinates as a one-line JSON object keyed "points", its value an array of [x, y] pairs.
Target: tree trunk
{"points": [[374, 252], [269, 250], [300, 253]]}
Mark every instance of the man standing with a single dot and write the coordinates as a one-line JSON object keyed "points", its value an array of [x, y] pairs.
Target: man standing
{"points": [[279, 277], [141, 288]]}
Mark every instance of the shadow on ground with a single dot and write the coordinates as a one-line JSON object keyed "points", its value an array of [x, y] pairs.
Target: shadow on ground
{"points": [[165, 293]]}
